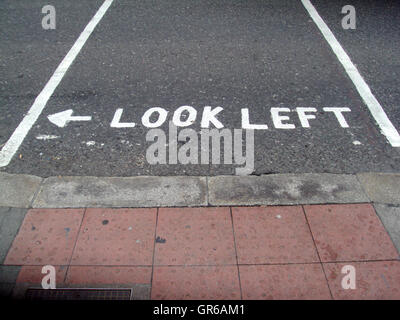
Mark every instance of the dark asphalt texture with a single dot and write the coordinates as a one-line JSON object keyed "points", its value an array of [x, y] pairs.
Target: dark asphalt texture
{"points": [[235, 54]]}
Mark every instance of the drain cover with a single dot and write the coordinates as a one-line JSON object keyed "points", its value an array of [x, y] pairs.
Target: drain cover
{"points": [[78, 294]]}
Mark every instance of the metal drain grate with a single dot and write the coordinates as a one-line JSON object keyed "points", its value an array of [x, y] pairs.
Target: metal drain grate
{"points": [[78, 294]]}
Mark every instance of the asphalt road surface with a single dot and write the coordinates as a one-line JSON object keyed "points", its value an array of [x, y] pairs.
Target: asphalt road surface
{"points": [[248, 56]]}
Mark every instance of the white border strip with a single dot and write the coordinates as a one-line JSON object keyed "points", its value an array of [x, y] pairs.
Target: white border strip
{"points": [[18, 136], [387, 128]]}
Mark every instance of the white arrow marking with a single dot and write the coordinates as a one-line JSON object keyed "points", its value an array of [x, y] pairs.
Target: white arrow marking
{"points": [[60, 119]]}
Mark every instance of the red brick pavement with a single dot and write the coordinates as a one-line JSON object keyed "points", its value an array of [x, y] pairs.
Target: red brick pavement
{"points": [[285, 252]]}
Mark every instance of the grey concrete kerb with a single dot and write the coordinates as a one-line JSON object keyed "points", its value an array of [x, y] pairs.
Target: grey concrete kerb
{"points": [[281, 189], [18, 190], [25, 191], [381, 187]]}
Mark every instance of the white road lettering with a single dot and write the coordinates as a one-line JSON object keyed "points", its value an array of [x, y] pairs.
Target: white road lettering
{"points": [[246, 122], [176, 119], [338, 113], [209, 117], [157, 116], [277, 118], [115, 123], [303, 117], [162, 116]]}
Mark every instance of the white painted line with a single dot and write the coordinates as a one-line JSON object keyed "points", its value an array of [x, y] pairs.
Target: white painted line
{"points": [[18, 136], [387, 128], [90, 143], [46, 137]]}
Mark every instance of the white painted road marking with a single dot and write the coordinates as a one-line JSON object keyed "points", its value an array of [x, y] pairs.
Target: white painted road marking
{"points": [[47, 137], [18, 136], [387, 128], [339, 115], [115, 123], [62, 118]]}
